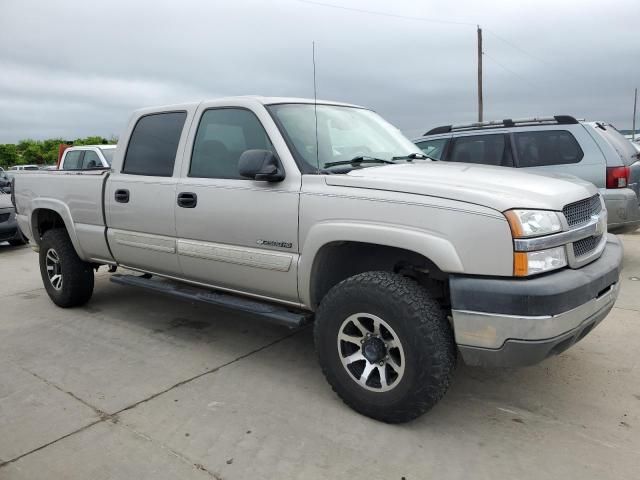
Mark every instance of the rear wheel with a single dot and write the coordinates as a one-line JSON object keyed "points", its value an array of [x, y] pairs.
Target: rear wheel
{"points": [[385, 346], [67, 278]]}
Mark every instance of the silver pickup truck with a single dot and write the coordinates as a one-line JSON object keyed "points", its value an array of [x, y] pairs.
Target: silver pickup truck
{"points": [[297, 211]]}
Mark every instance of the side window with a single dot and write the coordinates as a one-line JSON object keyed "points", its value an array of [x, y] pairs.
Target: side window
{"points": [[72, 160], [433, 148], [91, 160], [222, 136], [546, 147], [153, 144], [482, 149]]}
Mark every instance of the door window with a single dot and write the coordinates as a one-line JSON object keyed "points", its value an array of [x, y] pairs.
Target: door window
{"points": [[222, 136], [153, 144], [483, 149], [73, 160], [546, 147], [433, 148]]}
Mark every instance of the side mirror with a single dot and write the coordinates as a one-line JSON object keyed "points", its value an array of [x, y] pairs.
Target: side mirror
{"points": [[260, 165]]}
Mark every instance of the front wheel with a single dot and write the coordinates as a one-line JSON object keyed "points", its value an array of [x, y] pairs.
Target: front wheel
{"points": [[67, 278], [385, 346]]}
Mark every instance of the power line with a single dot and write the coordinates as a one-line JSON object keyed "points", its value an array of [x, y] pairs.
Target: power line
{"points": [[506, 69], [425, 19], [513, 45], [385, 14]]}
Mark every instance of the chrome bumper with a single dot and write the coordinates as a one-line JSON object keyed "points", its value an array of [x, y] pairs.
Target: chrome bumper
{"points": [[487, 330]]}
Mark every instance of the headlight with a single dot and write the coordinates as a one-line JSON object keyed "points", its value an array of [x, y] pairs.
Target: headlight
{"points": [[532, 223], [532, 263]]}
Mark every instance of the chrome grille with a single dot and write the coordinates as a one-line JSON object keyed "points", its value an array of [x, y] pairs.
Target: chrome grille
{"points": [[586, 245], [582, 210]]}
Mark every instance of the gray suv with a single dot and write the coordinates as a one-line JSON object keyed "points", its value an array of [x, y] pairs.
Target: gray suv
{"points": [[593, 151]]}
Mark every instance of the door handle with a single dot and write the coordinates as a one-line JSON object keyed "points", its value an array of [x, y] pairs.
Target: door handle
{"points": [[187, 199], [122, 196]]}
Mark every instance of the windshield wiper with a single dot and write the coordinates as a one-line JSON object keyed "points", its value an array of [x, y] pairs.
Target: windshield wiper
{"points": [[413, 156], [356, 161]]}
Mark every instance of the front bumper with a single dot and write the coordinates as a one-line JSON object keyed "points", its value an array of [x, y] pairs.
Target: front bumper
{"points": [[623, 207], [516, 322]]}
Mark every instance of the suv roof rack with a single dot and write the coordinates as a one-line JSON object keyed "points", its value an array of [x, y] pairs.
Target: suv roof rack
{"points": [[507, 122]]}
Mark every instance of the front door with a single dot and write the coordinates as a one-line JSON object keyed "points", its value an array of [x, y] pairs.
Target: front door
{"points": [[235, 233], [141, 197]]}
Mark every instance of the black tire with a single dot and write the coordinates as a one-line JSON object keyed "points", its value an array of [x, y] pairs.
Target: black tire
{"points": [[76, 285], [419, 323]]}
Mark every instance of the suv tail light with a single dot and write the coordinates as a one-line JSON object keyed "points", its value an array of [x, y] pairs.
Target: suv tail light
{"points": [[618, 177]]}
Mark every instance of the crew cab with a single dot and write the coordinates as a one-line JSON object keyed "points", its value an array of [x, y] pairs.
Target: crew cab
{"points": [[297, 211]]}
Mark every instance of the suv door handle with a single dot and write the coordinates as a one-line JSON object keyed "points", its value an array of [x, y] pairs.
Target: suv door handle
{"points": [[187, 199], [122, 196]]}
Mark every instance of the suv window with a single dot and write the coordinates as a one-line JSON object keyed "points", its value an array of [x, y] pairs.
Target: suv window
{"points": [[433, 148], [482, 149], [72, 160], [222, 136], [153, 144], [546, 147]]}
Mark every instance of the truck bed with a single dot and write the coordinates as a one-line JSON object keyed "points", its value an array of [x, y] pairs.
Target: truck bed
{"points": [[77, 196]]}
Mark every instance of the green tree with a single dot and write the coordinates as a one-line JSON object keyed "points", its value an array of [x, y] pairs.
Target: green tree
{"points": [[8, 155]]}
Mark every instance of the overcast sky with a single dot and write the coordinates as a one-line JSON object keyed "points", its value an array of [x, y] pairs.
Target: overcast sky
{"points": [[76, 68]]}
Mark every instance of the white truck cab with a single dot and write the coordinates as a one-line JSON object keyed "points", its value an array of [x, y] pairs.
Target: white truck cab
{"points": [[87, 157]]}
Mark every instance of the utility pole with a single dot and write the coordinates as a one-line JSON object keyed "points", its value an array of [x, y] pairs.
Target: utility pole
{"points": [[480, 74], [635, 102]]}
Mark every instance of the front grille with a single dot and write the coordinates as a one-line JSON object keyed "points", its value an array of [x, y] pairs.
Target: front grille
{"points": [[586, 245], [4, 217], [582, 210]]}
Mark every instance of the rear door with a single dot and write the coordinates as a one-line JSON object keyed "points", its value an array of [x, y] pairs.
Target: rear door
{"points": [[486, 149], [560, 149], [141, 196]]}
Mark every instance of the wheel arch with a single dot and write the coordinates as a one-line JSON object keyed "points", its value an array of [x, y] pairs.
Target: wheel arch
{"points": [[50, 213], [325, 261]]}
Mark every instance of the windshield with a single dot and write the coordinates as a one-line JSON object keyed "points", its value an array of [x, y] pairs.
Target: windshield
{"points": [[108, 154], [344, 133]]}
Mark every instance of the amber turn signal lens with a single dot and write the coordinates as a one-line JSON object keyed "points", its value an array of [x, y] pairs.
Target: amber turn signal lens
{"points": [[520, 264], [514, 224]]}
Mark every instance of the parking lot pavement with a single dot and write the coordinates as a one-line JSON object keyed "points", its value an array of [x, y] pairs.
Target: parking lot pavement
{"points": [[137, 385]]}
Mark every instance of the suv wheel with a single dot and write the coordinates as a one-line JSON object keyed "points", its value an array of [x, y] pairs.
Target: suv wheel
{"points": [[385, 346], [67, 279]]}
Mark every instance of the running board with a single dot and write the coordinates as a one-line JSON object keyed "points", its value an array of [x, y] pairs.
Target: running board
{"points": [[275, 313]]}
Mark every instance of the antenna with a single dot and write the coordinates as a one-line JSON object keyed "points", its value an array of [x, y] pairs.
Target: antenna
{"points": [[315, 102]]}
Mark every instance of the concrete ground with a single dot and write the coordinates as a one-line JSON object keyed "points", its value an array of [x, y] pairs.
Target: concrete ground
{"points": [[139, 386]]}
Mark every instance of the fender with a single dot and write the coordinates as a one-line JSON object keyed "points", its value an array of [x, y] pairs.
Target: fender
{"points": [[61, 209], [437, 249]]}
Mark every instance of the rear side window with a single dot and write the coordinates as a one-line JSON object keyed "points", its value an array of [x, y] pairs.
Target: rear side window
{"points": [[223, 135], [546, 147], [73, 160], [153, 144], [482, 149], [91, 160], [433, 148]]}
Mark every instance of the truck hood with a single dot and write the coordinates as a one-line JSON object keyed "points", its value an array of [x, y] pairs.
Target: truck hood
{"points": [[500, 188]]}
